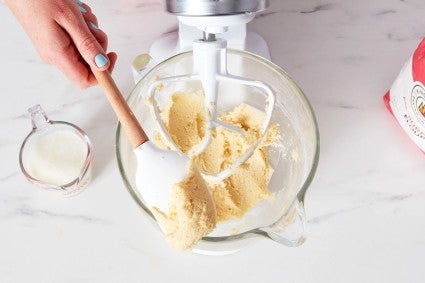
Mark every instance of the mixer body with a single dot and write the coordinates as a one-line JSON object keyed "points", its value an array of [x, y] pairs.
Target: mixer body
{"points": [[229, 18]]}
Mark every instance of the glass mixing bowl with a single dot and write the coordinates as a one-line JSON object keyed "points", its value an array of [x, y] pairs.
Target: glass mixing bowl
{"points": [[281, 217]]}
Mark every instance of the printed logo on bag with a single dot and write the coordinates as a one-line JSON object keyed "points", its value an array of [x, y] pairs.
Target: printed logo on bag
{"points": [[418, 103], [415, 110]]}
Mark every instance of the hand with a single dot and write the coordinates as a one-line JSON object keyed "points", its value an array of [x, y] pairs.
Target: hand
{"points": [[66, 34]]}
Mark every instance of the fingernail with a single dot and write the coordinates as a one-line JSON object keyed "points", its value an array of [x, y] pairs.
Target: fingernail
{"points": [[100, 60], [79, 2], [82, 10], [93, 25]]}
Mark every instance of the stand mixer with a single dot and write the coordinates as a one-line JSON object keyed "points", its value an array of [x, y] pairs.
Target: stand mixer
{"points": [[197, 58], [212, 18], [231, 16]]}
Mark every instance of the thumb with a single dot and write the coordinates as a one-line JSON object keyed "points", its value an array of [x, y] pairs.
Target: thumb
{"points": [[86, 44]]}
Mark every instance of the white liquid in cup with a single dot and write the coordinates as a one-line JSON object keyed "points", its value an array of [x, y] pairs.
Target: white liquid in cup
{"points": [[57, 158]]}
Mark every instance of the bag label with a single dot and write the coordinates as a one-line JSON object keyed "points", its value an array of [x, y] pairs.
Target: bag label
{"points": [[406, 98]]}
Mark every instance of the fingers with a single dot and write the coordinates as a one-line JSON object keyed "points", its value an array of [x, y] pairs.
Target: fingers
{"points": [[85, 38], [67, 58], [92, 23], [74, 43], [88, 15], [100, 36], [84, 8]]}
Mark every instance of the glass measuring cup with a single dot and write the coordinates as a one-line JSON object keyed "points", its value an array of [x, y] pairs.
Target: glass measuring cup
{"points": [[56, 155]]}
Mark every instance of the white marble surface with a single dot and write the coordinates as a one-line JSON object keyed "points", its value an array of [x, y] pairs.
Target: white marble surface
{"points": [[366, 206]]}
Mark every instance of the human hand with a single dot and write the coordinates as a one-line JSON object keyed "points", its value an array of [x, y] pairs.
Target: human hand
{"points": [[66, 34]]}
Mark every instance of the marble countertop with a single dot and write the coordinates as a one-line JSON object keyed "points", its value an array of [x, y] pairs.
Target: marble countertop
{"points": [[365, 207]]}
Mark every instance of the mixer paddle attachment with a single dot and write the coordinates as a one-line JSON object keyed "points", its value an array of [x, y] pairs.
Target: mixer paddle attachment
{"points": [[210, 67]]}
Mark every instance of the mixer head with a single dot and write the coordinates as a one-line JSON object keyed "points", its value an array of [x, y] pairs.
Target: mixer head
{"points": [[210, 68], [213, 7], [214, 16]]}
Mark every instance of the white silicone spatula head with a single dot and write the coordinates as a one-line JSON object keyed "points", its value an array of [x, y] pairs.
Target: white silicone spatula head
{"points": [[157, 170]]}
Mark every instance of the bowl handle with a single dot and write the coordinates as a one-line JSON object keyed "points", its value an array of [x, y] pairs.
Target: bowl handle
{"points": [[290, 230]]}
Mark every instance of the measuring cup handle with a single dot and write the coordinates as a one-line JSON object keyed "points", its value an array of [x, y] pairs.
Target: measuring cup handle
{"points": [[290, 230], [38, 117]]}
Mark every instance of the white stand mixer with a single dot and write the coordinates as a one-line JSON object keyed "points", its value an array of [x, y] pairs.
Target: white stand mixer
{"points": [[294, 167], [230, 15]]}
